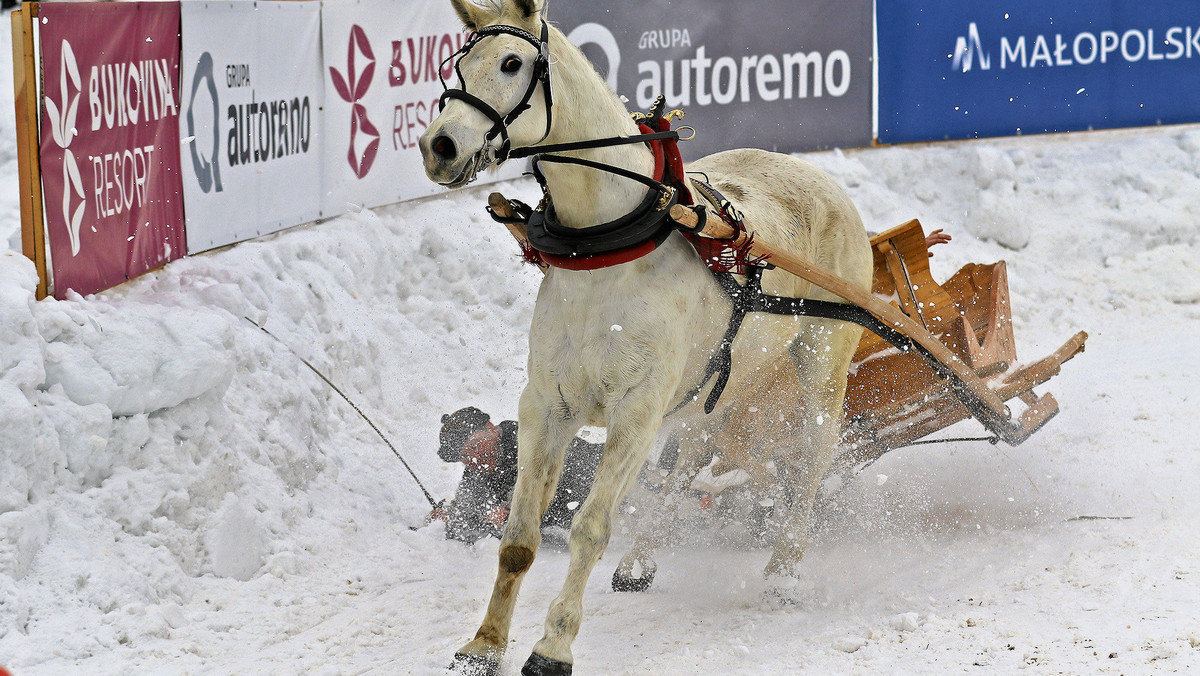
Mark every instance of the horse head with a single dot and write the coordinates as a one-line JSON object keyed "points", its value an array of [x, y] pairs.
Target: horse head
{"points": [[495, 106]]}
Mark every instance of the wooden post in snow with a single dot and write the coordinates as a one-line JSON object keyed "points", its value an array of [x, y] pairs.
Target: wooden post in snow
{"points": [[25, 79]]}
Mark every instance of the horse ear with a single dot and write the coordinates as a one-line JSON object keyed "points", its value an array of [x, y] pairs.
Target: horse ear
{"points": [[473, 16], [529, 8]]}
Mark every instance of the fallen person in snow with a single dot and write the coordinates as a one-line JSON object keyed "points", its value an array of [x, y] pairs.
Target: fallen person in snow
{"points": [[489, 455]]}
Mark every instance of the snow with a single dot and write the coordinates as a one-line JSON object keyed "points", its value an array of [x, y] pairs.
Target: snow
{"points": [[179, 494]]}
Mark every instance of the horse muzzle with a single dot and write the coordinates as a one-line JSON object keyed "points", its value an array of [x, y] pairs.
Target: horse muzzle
{"points": [[447, 162]]}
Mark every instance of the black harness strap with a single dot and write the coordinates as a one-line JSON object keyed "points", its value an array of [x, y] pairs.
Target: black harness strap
{"points": [[750, 298], [721, 362], [649, 221], [541, 75], [529, 151]]}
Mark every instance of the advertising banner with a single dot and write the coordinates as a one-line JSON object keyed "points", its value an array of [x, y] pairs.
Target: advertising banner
{"points": [[110, 140], [382, 59], [251, 93], [952, 69], [786, 75]]}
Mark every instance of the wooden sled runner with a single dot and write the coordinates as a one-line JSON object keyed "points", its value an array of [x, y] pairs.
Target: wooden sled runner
{"points": [[933, 354]]}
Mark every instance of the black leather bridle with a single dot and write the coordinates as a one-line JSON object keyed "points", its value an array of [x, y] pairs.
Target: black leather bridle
{"points": [[648, 221], [500, 123]]}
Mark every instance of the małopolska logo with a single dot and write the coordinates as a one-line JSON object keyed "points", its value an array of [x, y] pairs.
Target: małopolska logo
{"points": [[352, 88], [208, 173], [1056, 50], [62, 129], [969, 48]]}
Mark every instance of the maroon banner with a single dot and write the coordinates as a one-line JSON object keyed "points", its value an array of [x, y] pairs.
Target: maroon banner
{"points": [[110, 140]]}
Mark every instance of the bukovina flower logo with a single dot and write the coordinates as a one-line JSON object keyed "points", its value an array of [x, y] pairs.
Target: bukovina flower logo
{"points": [[352, 88], [63, 131]]}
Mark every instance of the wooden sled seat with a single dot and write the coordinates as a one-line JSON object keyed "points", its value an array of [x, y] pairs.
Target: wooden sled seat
{"points": [[893, 398]]}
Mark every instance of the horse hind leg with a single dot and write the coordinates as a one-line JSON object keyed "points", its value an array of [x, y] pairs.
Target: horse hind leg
{"points": [[541, 445], [807, 453], [651, 531]]}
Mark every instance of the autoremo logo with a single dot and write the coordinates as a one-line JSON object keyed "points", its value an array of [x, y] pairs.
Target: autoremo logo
{"points": [[208, 169]]}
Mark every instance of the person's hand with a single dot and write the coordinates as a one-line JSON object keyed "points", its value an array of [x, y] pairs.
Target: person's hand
{"points": [[439, 514], [496, 516], [934, 238]]}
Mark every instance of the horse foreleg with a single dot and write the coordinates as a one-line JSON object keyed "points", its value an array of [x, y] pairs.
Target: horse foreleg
{"points": [[542, 438], [631, 431]]}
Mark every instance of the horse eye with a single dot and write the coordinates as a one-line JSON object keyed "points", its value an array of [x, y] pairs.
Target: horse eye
{"points": [[511, 65]]}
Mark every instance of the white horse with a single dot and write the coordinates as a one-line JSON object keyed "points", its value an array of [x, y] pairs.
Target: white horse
{"points": [[620, 346]]}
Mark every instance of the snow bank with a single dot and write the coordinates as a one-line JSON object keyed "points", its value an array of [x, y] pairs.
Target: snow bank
{"points": [[155, 441]]}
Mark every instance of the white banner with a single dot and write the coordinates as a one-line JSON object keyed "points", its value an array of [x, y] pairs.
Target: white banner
{"points": [[381, 82], [252, 91]]}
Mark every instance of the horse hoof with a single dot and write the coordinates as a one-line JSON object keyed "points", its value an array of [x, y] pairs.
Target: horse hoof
{"points": [[627, 583], [538, 665], [474, 665]]}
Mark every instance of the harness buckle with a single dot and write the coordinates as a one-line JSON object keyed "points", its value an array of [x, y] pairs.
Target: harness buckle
{"points": [[665, 198]]}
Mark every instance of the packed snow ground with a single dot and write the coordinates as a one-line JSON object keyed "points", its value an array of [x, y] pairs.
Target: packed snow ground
{"points": [[178, 494]]}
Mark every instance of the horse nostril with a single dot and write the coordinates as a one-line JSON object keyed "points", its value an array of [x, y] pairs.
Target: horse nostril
{"points": [[444, 148]]}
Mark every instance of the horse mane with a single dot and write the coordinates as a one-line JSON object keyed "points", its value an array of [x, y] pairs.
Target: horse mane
{"points": [[496, 7], [527, 8]]}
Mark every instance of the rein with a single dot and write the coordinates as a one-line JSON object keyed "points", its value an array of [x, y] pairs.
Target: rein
{"points": [[530, 151]]}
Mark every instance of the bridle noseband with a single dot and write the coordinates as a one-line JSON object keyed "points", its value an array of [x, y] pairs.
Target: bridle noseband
{"points": [[500, 123]]}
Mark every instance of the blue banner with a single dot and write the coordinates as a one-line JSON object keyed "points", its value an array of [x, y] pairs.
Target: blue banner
{"points": [[950, 69]]}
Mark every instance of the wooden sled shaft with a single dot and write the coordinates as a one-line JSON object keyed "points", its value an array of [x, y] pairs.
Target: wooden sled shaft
{"points": [[878, 317], [895, 425], [500, 205]]}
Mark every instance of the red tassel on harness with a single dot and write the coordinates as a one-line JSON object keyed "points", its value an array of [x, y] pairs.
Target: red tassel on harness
{"points": [[718, 255], [668, 163]]}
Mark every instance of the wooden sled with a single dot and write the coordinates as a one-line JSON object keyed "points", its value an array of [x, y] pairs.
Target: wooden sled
{"points": [[894, 399], [933, 354]]}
